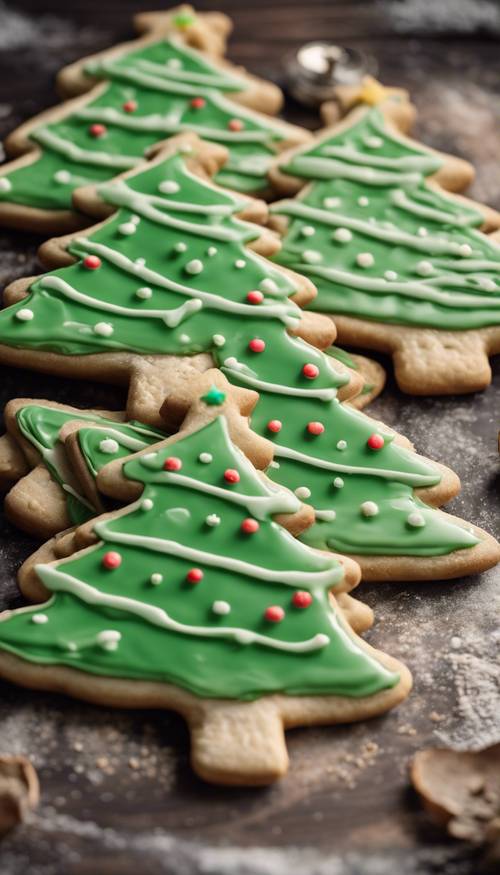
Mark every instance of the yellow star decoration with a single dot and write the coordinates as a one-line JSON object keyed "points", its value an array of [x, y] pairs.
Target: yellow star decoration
{"points": [[373, 92]]}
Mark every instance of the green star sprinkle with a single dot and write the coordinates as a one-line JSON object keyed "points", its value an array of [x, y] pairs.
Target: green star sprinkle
{"points": [[214, 396]]}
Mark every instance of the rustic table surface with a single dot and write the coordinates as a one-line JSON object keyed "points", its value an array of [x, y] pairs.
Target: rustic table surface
{"points": [[117, 790]]}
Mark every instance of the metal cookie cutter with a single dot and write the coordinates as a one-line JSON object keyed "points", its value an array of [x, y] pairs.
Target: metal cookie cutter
{"points": [[317, 68]]}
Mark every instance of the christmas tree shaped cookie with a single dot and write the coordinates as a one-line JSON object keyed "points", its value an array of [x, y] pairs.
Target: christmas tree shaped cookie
{"points": [[167, 287], [402, 265], [46, 494], [194, 598], [171, 80]]}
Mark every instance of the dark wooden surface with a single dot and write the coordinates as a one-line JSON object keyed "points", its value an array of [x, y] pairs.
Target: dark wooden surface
{"points": [[117, 791]]}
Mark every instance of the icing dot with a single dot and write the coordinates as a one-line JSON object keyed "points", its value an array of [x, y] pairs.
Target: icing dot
{"points": [[156, 579], [274, 425], [268, 285], [212, 520], [390, 275], [310, 371], [205, 458], [108, 639], [127, 228], [331, 202], [218, 340], [193, 267], [235, 124], [135, 219], [255, 297], [97, 130], [307, 231], [338, 482], [109, 445], [147, 504], [25, 315], [144, 293], [231, 475], [174, 63], [342, 235], [373, 142], [39, 619], [5, 184], [184, 338], [422, 232], [211, 251], [104, 329], [250, 526], [140, 262], [274, 614], [257, 345], [341, 445], [424, 268], [365, 259], [369, 508], [180, 247], [363, 201], [303, 492], [375, 441], [91, 262], [172, 463], [62, 176], [465, 249], [129, 106], [194, 575], [315, 428], [415, 519], [197, 102], [221, 608], [301, 599], [240, 263], [312, 256], [111, 560], [168, 186]]}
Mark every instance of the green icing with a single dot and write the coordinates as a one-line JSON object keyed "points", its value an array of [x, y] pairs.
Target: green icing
{"points": [[161, 78], [369, 196], [78, 311], [41, 426], [141, 620]]}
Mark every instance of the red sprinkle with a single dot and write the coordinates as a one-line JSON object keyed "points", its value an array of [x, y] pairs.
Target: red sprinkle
{"points": [[198, 102], [130, 106], [91, 262], [235, 124], [194, 575], [231, 475], [315, 428], [172, 463], [255, 297], [250, 526], [302, 599], [257, 345], [274, 425], [274, 614], [375, 441], [97, 130], [111, 560], [310, 371]]}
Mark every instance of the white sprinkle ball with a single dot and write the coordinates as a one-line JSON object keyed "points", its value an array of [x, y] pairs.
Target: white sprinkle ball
{"points": [[144, 293], [193, 267], [363, 201], [104, 329], [307, 231], [211, 251], [331, 202], [465, 250], [415, 519], [62, 176], [312, 256], [168, 186], [108, 639], [342, 235], [373, 142], [39, 619], [174, 63], [147, 504], [180, 247], [25, 315], [422, 232], [184, 338], [240, 263], [390, 275], [303, 492], [341, 445], [365, 259], [108, 445], [127, 228], [205, 458], [425, 268], [338, 482], [221, 608], [212, 520], [218, 340], [5, 184], [369, 508], [140, 262], [156, 579], [268, 285]]}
